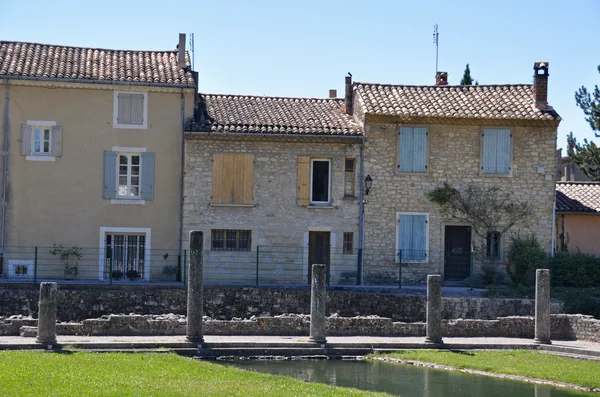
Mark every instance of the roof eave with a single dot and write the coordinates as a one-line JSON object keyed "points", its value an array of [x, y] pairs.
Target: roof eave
{"points": [[91, 81]]}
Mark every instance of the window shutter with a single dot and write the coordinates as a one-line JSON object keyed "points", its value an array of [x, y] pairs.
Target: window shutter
{"points": [[110, 175], [490, 152], [419, 237], [137, 109], [26, 131], [56, 141], [503, 165], [124, 105], [222, 192], [243, 178], [405, 236], [406, 149], [147, 188], [303, 180], [419, 150]]}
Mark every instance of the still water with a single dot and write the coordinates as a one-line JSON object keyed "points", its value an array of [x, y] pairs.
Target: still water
{"points": [[401, 379]]}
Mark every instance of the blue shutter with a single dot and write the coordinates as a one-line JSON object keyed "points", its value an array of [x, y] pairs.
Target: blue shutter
{"points": [[405, 236], [490, 152], [147, 192], [406, 149], [420, 150], [110, 175], [503, 162], [419, 237]]}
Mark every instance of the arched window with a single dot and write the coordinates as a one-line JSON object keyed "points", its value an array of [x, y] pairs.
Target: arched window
{"points": [[493, 245]]}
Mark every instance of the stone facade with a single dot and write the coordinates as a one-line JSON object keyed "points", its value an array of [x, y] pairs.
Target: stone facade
{"points": [[279, 226], [454, 155]]}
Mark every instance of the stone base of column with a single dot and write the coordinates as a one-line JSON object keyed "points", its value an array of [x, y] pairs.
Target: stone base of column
{"points": [[198, 340], [317, 339], [542, 341], [434, 341]]}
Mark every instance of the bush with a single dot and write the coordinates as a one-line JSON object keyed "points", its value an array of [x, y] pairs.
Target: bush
{"points": [[575, 270], [488, 276], [525, 256], [580, 301]]}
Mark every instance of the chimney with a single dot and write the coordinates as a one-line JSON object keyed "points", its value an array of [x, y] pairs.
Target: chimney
{"points": [[349, 99], [181, 48], [332, 94], [441, 78], [540, 84]]}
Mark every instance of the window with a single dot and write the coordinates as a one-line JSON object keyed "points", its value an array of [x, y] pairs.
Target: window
{"points": [[412, 241], [128, 175], [231, 240], [348, 242], [349, 177], [493, 245], [125, 253], [130, 110], [41, 140], [320, 181], [412, 150], [233, 179], [496, 151]]}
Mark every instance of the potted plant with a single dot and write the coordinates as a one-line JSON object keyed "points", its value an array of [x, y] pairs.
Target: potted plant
{"points": [[117, 274], [132, 274], [70, 258], [170, 272]]}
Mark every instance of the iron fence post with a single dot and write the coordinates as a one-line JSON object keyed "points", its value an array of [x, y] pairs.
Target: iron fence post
{"points": [[35, 260], [400, 269], [257, 262], [329, 266], [110, 267], [184, 267]]}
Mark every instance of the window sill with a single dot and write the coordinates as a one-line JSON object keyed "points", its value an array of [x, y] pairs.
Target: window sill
{"points": [[40, 158], [123, 201], [509, 175], [349, 198], [130, 126], [233, 205], [321, 207]]}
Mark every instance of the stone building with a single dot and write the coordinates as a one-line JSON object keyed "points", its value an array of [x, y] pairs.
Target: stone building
{"points": [[273, 183], [418, 137]]}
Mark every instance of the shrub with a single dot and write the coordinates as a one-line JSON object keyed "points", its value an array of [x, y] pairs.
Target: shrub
{"points": [[488, 276], [575, 270], [525, 255]]}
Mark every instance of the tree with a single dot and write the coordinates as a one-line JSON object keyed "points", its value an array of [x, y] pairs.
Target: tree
{"points": [[467, 79], [590, 107], [585, 156]]}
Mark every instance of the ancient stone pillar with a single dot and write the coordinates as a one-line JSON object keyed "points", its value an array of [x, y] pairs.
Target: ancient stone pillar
{"points": [[318, 298], [434, 309], [47, 313], [542, 306], [195, 292]]}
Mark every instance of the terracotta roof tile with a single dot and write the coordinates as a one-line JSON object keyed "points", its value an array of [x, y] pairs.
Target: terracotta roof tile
{"points": [[32, 60], [578, 197], [471, 102], [272, 115]]}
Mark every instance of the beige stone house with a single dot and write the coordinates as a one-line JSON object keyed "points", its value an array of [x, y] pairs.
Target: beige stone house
{"points": [[418, 137], [93, 141], [273, 183], [578, 217]]}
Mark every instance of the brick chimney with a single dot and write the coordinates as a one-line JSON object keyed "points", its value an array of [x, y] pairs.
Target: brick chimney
{"points": [[349, 94], [441, 78], [332, 94], [540, 84]]}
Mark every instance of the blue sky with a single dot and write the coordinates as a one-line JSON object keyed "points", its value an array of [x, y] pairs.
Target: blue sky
{"points": [[304, 48]]}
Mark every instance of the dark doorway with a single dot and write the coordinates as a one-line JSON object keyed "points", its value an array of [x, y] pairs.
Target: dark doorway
{"points": [[457, 253], [318, 251]]}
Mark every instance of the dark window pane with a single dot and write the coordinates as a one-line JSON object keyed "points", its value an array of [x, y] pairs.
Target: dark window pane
{"points": [[320, 181], [348, 242], [349, 165], [217, 239], [230, 240], [244, 243]]}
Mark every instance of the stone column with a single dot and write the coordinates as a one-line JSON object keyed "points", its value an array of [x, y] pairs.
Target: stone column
{"points": [[318, 297], [542, 306], [434, 309], [195, 292], [47, 313]]}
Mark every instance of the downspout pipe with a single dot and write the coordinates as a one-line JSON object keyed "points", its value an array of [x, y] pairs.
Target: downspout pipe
{"points": [[4, 175], [361, 217]]}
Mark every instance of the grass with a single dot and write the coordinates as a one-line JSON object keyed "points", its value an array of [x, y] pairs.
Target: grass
{"points": [[159, 374], [526, 363]]}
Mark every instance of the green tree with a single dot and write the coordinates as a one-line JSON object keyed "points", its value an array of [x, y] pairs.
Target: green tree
{"points": [[585, 156], [590, 104], [467, 79]]}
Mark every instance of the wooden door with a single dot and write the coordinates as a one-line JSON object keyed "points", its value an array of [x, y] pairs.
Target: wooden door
{"points": [[457, 253], [318, 251]]}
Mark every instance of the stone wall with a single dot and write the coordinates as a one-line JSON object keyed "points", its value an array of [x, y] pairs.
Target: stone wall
{"points": [[454, 156], [278, 225], [224, 303]]}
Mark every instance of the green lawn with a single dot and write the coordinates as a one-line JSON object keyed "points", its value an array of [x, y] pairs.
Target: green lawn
{"points": [[526, 363], [123, 374]]}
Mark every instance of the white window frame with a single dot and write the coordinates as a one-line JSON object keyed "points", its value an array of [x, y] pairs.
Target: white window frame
{"points": [[13, 263], [129, 175], [104, 230], [320, 203], [116, 123], [426, 260], [41, 125]]}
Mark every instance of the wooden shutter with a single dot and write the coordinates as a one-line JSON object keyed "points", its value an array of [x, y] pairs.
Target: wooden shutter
{"points": [[56, 141], [233, 179], [419, 150], [303, 180], [147, 188], [496, 151], [503, 164], [26, 131], [419, 237], [406, 149], [221, 186], [405, 236], [110, 175], [131, 109]]}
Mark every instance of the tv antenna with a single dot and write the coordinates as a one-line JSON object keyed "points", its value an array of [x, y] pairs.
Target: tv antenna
{"points": [[436, 41]]}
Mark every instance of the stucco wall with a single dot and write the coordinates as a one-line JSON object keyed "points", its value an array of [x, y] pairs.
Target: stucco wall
{"points": [[279, 226], [61, 202], [582, 233], [454, 156]]}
